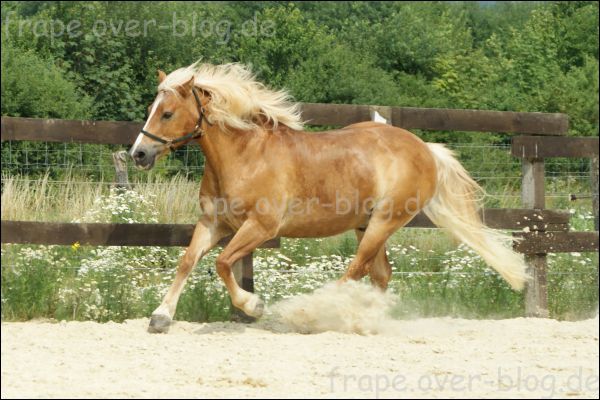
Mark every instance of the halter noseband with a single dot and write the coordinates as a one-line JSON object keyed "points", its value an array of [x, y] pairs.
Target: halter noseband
{"points": [[198, 132]]}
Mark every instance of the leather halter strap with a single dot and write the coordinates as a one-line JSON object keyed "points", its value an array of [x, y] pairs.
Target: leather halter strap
{"points": [[198, 132]]}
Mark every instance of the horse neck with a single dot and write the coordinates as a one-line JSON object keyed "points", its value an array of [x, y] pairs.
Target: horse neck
{"points": [[223, 151]]}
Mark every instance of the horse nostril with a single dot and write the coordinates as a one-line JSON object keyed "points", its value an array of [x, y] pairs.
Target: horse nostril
{"points": [[139, 155]]}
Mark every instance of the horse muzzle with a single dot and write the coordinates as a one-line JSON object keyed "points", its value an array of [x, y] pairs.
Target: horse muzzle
{"points": [[144, 157]]}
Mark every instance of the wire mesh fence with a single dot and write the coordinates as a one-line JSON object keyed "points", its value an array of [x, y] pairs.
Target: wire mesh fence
{"points": [[491, 165]]}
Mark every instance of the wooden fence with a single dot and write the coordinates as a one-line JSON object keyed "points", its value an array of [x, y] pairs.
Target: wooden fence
{"points": [[536, 136]]}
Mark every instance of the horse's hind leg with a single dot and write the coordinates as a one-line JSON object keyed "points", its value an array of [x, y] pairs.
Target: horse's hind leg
{"points": [[372, 241], [379, 269], [370, 256]]}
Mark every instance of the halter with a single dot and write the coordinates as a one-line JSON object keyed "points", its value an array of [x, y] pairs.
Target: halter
{"points": [[198, 132]]}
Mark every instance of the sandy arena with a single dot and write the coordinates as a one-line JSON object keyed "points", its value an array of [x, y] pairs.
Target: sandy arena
{"points": [[335, 342]]}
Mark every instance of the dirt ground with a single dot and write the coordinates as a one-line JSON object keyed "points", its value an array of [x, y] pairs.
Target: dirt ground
{"points": [[440, 357]]}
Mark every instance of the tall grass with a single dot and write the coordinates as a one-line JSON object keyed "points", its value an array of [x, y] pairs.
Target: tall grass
{"points": [[175, 199], [38, 199]]}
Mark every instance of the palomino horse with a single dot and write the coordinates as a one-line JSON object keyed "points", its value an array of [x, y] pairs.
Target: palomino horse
{"points": [[264, 177]]}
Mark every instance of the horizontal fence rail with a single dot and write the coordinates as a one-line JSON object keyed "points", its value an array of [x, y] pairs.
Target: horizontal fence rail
{"points": [[125, 132], [556, 242], [67, 131], [439, 119], [98, 234], [510, 218], [109, 234], [549, 147]]}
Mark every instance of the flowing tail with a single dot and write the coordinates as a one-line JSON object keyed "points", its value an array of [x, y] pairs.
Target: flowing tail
{"points": [[456, 205]]}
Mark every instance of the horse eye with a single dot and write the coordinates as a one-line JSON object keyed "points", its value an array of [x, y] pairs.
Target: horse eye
{"points": [[167, 115]]}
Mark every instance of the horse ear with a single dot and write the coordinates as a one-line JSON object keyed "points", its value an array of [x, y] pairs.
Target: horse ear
{"points": [[185, 89], [161, 76]]}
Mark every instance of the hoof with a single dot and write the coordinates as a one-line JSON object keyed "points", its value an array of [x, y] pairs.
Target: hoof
{"points": [[159, 323], [254, 307]]}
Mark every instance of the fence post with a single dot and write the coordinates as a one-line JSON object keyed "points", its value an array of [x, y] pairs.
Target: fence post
{"points": [[243, 271], [533, 196], [594, 178], [120, 161]]}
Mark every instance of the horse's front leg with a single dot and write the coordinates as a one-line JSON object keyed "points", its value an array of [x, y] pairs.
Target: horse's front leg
{"points": [[250, 235], [206, 236]]}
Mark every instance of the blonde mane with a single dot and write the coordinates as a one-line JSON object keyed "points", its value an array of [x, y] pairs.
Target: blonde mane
{"points": [[238, 100]]}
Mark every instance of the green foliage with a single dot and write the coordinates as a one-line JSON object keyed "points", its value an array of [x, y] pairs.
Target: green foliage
{"points": [[504, 56], [35, 87]]}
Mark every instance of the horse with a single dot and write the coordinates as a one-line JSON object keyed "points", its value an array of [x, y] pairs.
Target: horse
{"points": [[265, 177]]}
